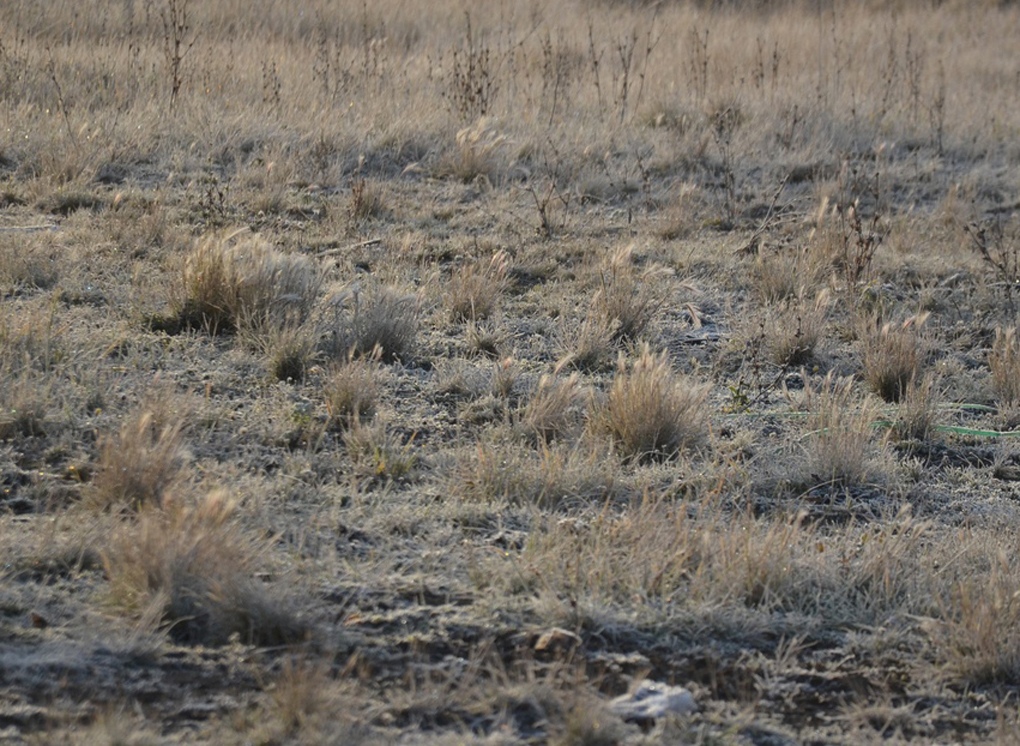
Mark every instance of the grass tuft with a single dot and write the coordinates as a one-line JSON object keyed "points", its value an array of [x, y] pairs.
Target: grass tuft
{"points": [[795, 329], [142, 463], [380, 454], [892, 355], [475, 289], [554, 409], [840, 445], [196, 565], [553, 477], [651, 411], [238, 282], [351, 391], [380, 323], [624, 300], [1004, 364]]}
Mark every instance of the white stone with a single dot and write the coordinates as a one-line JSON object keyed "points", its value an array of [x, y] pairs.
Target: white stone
{"points": [[652, 700]]}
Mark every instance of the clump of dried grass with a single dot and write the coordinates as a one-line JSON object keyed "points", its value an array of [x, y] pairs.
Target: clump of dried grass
{"points": [[840, 446], [143, 462], [786, 276], [549, 478], [484, 339], [290, 350], [379, 453], [892, 355], [366, 201], [477, 153], [917, 412], [976, 633], [238, 282], [624, 299], [553, 410], [379, 322], [351, 391], [26, 397], [475, 289], [194, 565], [31, 262], [651, 411], [590, 345], [794, 330], [698, 562], [304, 698], [1004, 364]]}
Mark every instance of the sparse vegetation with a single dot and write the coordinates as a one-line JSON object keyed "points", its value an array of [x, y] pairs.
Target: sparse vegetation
{"points": [[377, 374]]}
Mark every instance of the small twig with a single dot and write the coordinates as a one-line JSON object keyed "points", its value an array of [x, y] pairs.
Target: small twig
{"points": [[28, 228], [52, 67], [351, 247], [751, 246]]}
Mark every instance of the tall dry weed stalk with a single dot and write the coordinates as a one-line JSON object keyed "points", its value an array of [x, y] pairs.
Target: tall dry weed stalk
{"points": [[473, 84], [999, 250], [178, 40]]}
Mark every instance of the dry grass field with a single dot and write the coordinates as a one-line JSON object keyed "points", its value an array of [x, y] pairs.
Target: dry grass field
{"points": [[435, 373]]}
